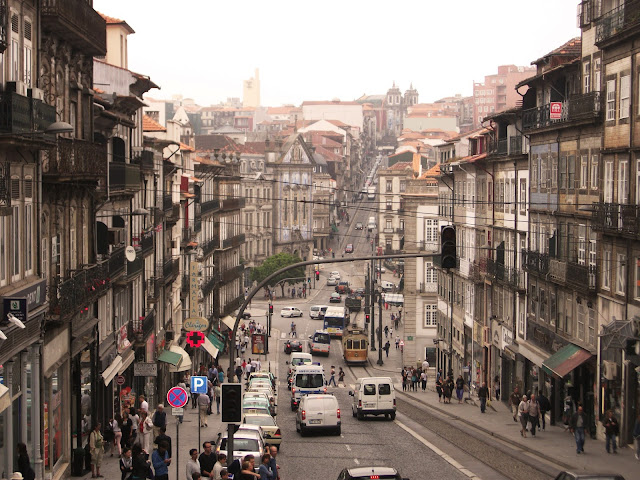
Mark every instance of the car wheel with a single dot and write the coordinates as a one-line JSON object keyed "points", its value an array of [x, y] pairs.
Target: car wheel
{"points": [[338, 430], [360, 415], [303, 431], [297, 427], [353, 412], [393, 416]]}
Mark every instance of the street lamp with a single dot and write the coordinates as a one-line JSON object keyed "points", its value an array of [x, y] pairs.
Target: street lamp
{"points": [[58, 127]]}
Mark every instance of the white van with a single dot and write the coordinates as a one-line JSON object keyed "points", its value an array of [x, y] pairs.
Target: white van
{"points": [[374, 396], [371, 193], [306, 379], [320, 342], [318, 412], [299, 358], [387, 286], [371, 225], [317, 311]]}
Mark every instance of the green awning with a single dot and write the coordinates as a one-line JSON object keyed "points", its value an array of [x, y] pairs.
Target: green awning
{"points": [[170, 357], [219, 344], [561, 363]]}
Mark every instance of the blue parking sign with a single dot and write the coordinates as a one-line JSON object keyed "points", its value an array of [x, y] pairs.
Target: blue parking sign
{"points": [[198, 384]]}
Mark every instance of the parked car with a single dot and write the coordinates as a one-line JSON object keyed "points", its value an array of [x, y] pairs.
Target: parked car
{"points": [[335, 298], [245, 441], [359, 225], [348, 248], [588, 476], [366, 473], [332, 281], [292, 346], [290, 312], [270, 429]]}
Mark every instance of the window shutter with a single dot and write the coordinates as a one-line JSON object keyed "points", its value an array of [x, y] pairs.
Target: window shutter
{"points": [[15, 21], [15, 188], [27, 30], [28, 187]]}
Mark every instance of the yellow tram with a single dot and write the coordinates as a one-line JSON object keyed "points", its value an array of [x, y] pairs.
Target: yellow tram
{"points": [[355, 345]]}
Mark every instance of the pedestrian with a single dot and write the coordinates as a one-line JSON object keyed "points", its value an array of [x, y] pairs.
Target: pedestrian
{"points": [[397, 341], [523, 413], [332, 378], [96, 447], [545, 406], [24, 465], [439, 388], [274, 465], [264, 470], [611, 430], [414, 379], [159, 420], [145, 428], [116, 425], [483, 394], [144, 405], [203, 406], [210, 395], [219, 466], [239, 370], [341, 376], [423, 379], [163, 437], [496, 384], [135, 423], [390, 332], [217, 395], [534, 414], [405, 380], [207, 460], [514, 400], [425, 365], [459, 388], [126, 464], [446, 390], [577, 425], [187, 389], [109, 437], [386, 331], [636, 436], [193, 465], [140, 463], [161, 461], [387, 346]]}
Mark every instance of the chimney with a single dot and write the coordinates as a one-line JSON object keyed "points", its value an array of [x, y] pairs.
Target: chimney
{"points": [[417, 164]]}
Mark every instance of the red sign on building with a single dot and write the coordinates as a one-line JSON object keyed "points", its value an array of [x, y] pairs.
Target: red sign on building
{"points": [[258, 341], [555, 110]]}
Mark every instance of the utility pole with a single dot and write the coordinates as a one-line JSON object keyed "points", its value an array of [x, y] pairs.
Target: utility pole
{"points": [[450, 373], [372, 305], [380, 362]]}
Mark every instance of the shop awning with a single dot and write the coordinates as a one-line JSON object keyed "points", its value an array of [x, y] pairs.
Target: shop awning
{"points": [[209, 346], [170, 357], [185, 359], [126, 361], [229, 321], [112, 370], [561, 363], [5, 399]]}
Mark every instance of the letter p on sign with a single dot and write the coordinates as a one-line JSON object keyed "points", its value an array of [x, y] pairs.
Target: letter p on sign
{"points": [[198, 384]]}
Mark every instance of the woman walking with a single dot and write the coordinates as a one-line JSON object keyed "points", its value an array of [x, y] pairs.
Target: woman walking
{"points": [[24, 464], [117, 434], [439, 388], [414, 380], [446, 391], [125, 428], [96, 446], [423, 380], [145, 427], [523, 413], [459, 388], [140, 463]]}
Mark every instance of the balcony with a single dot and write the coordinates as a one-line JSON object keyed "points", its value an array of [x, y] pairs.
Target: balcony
{"points": [[147, 242], [134, 268], [145, 161], [167, 203], [617, 20], [116, 262], [170, 270], [124, 178], [232, 204], [226, 309], [24, 115], [173, 215], [582, 277], [197, 224], [387, 230], [321, 231], [209, 284], [75, 160], [585, 107], [209, 246], [3, 23], [234, 241], [187, 235], [154, 285], [78, 292], [558, 271], [535, 262], [78, 23], [143, 327], [515, 145], [616, 218], [209, 207], [231, 274], [430, 287]]}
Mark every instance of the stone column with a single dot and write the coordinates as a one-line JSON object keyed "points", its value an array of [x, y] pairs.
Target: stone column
{"points": [[9, 451], [37, 412]]}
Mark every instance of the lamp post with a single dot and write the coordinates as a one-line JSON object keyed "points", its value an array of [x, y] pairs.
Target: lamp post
{"points": [[372, 305], [380, 362]]}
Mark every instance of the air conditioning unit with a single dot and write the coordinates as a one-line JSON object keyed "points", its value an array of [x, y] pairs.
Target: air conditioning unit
{"points": [[610, 369], [36, 93], [19, 87]]}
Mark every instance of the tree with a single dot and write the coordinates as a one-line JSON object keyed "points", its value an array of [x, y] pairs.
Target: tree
{"points": [[276, 262]]}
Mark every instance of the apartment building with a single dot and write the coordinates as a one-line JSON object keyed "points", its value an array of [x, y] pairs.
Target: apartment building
{"points": [[389, 207]]}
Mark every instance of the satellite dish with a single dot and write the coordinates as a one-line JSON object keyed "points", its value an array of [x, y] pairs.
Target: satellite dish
{"points": [[130, 253]]}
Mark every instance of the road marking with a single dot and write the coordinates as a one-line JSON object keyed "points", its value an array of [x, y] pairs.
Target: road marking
{"points": [[348, 448], [437, 451], [357, 462]]}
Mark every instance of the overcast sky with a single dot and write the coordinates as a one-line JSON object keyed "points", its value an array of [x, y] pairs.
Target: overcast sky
{"points": [[307, 50]]}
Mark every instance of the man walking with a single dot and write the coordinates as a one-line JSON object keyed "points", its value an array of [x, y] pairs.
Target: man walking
{"points": [[386, 348], [545, 406], [273, 464], [203, 406], [397, 341], [515, 399], [611, 430], [159, 419], [333, 377], [483, 394], [161, 461], [207, 460], [577, 425], [534, 414]]}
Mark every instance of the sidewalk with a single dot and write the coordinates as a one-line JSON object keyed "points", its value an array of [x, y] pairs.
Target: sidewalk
{"points": [[554, 443]]}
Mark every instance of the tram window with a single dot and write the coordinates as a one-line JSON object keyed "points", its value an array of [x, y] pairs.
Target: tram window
{"points": [[356, 344], [369, 389], [384, 389], [349, 344]]}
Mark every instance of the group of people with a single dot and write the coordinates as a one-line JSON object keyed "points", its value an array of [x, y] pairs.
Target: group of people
{"points": [[219, 467], [447, 386], [530, 410], [300, 292], [411, 376]]}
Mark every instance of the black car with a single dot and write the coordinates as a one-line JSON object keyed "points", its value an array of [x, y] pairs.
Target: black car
{"points": [[292, 346], [367, 473]]}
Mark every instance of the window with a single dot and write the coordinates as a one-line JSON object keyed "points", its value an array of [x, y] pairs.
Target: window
{"points": [[586, 77], [389, 203], [591, 338], [554, 171], [638, 181], [596, 74], [430, 312], [582, 244], [606, 268], [429, 273], [584, 171], [581, 318], [594, 171], [611, 100], [563, 171], [15, 243], [388, 224], [389, 186], [3, 252], [623, 181], [608, 181], [625, 93], [534, 172], [571, 172], [403, 185], [621, 273]]}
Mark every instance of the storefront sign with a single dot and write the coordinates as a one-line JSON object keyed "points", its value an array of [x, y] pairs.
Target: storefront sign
{"points": [[258, 344], [194, 288], [145, 369], [34, 293], [555, 111], [120, 380], [195, 324], [543, 338], [16, 307]]}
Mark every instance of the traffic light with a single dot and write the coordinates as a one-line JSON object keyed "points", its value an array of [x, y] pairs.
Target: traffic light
{"points": [[231, 402], [308, 279], [270, 309], [317, 275], [448, 246], [367, 318]]}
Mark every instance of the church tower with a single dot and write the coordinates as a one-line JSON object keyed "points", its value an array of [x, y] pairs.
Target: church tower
{"points": [[251, 91]]}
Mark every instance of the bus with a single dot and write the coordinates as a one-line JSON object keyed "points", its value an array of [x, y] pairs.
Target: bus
{"points": [[354, 345], [335, 321]]}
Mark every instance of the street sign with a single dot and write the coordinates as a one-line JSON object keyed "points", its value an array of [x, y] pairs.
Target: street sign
{"points": [[15, 306], [177, 412], [143, 369], [198, 384], [120, 380], [195, 324], [195, 339], [177, 397], [555, 111]]}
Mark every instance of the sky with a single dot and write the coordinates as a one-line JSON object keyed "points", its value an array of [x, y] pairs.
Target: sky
{"points": [[322, 50]]}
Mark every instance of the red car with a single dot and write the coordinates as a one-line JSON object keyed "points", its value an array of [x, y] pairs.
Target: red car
{"points": [[349, 248]]}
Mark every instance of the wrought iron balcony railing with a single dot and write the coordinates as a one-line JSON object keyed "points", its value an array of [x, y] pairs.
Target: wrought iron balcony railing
{"points": [[232, 204], [142, 327], [3, 23], [170, 270], [209, 284], [167, 203], [78, 292], [197, 224], [124, 177], [231, 274], [24, 115], [616, 218], [134, 268], [617, 20], [209, 246], [116, 262], [144, 160], [75, 159], [147, 242], [582, 277], [234, 241], [535, 262], [209, 206], [579, 107], [222, 310], [77, 22], [174, 214], [558, 270]]}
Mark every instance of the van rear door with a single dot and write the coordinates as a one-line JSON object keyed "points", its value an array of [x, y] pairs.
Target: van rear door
{"points": [[330, 411], [369, 396], [385, 396]]}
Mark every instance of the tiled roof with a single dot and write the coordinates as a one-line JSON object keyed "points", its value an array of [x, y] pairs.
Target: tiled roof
{"points": [[280, 110], [328, 155], [432, 172], [213, 142], [258, 147], [150, 125], [401, 166], [329, 102], [186, 148], [116, 21], [573, 48]]}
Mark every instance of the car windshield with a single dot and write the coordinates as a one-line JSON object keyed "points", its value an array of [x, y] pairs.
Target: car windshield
{"points": [[262, 420], [310, 380], [322, 338], [300, 361], [242, 444]]}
